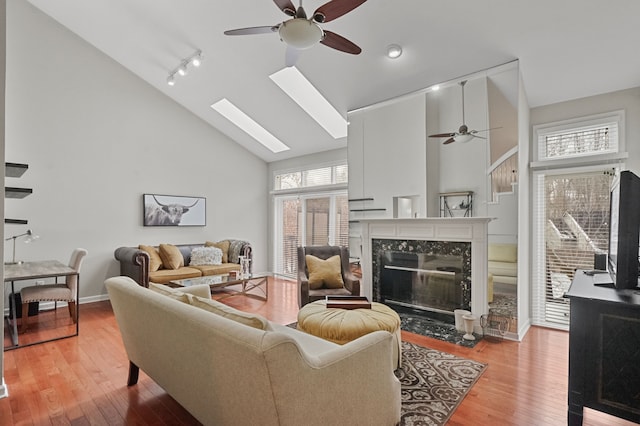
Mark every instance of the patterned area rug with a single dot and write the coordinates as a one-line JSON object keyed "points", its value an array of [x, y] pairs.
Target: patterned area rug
{"points": [[433, 384]]}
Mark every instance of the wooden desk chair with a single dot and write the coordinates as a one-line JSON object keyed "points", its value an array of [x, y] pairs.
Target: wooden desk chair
{"points": [[63, 292]]}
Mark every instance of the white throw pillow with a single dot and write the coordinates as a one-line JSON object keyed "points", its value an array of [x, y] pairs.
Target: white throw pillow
{"points": [[206, 256]]}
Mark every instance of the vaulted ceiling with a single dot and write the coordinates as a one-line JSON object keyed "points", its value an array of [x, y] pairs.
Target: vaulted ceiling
{"points": [[566, 49]]}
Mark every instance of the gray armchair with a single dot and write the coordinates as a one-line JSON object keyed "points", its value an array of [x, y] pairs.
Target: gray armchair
{"points": [[306, 294]]}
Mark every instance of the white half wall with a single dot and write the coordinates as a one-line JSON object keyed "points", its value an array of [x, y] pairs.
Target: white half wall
{"points": [[96, 137]]}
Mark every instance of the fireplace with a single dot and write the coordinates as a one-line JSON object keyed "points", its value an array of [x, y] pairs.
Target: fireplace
{"points": [[427, 275], [441, 263]]}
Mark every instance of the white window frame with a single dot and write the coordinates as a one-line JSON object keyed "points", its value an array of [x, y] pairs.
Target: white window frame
{"points": [[542, 130], [568, 165]]}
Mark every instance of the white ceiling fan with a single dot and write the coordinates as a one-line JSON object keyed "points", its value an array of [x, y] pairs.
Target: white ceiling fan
{"points": [[463, 134]]}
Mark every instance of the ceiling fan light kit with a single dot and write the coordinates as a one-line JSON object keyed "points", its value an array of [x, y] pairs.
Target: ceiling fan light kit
{"points": [[182, 69], [301, 33]]}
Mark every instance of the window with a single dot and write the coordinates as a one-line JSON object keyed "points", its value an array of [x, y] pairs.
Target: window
{"points": [[311, 208], [571, 185], [585, 137], [322, 176]]}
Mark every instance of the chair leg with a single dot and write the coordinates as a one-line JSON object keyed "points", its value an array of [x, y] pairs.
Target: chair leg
{"points": [[134, 370], [72, 311], [25, 316]]}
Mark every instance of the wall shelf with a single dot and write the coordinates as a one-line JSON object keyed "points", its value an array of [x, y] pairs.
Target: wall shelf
{"points": [[11, 192], [368, 210], [456, 204], [360, 199], [15, 169], [16, 221]]}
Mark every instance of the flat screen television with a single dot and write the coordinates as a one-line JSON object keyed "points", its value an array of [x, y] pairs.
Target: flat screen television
{"points": [[624, 230]]}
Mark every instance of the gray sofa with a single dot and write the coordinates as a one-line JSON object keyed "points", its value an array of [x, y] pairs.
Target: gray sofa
{"points": [[228, 367], [134, 263]]}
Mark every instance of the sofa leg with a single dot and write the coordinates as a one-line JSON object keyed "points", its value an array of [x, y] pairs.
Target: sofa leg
{"points": [[133, 374]]}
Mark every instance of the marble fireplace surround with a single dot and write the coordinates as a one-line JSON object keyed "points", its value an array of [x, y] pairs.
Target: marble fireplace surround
{"points": [[472, 230]]}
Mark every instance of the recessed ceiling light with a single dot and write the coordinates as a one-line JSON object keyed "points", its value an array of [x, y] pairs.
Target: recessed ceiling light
{"points": [[294, 84], [435, 88], [246, 123], [394, 51]]}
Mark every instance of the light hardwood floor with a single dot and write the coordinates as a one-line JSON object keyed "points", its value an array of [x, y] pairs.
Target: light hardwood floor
{"points": [[82, 380]]}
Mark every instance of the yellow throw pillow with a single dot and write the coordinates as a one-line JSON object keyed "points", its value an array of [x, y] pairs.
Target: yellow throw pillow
{"points": [[171, 256], [222, 245], [169, 292], [324, 273], [155, 262], [210, 305]]}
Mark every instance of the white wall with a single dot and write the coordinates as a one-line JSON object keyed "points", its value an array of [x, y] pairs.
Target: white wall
{"points": [[3, 16], [96, 137], [462, 166], [387, 155]]}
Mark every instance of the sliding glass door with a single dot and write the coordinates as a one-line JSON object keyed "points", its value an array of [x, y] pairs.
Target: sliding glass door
{"points": [[310, 219]]}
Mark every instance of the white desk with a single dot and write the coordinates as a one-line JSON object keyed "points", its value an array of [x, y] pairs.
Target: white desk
{"points": [[32, 271]]}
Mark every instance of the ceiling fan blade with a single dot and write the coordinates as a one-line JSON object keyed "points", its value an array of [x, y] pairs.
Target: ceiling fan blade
{"points": [[338, 42], [448, 141], [479, 137], [286, 6], [485, 130], [335, 9], [291, 56], [253, 30], [442, 135]]}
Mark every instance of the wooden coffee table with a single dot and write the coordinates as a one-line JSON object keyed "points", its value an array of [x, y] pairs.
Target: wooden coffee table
{"points": [[224, 282]]}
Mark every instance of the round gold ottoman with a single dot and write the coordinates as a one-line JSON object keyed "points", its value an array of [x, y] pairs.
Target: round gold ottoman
{"points": [[344, 325]]}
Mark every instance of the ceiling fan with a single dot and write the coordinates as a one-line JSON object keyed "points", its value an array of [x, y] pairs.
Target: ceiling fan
{"points": [[301, 33], [463, 134]]}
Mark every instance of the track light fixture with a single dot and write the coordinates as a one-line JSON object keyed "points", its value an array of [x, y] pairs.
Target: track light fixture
{"points": [[182, 69]]}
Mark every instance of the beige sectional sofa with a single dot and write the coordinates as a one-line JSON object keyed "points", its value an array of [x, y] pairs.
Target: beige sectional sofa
{"points": [[137, 263], [503, 263], [227, 367]]}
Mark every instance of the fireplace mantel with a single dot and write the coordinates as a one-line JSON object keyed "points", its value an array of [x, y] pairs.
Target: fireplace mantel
{"points": [[471, 229]]}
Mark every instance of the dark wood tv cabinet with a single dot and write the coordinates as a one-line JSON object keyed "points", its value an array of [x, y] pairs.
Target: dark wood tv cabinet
{"points": [[604, 350]]}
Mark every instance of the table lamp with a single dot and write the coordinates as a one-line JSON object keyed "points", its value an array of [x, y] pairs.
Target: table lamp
{"points": [[30, 237]]}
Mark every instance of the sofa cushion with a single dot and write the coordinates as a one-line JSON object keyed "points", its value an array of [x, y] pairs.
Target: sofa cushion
{"points": [[210, 305], [222, 245], [169, 292], [163, 276], [224, 268], [503, 252], [155, 261], [206, 256], [324, 273], [171, 256], [507, 269]]}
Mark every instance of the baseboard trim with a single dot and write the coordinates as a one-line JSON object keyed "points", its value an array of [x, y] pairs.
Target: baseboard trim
{"points": [[83, 300]]}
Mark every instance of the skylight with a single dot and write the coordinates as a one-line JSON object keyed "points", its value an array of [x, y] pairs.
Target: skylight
{"points": [[246, 123], [294, 84]]}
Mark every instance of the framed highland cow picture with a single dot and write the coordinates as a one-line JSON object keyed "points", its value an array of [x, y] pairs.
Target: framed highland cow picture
{"points": [[174, 210]]}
